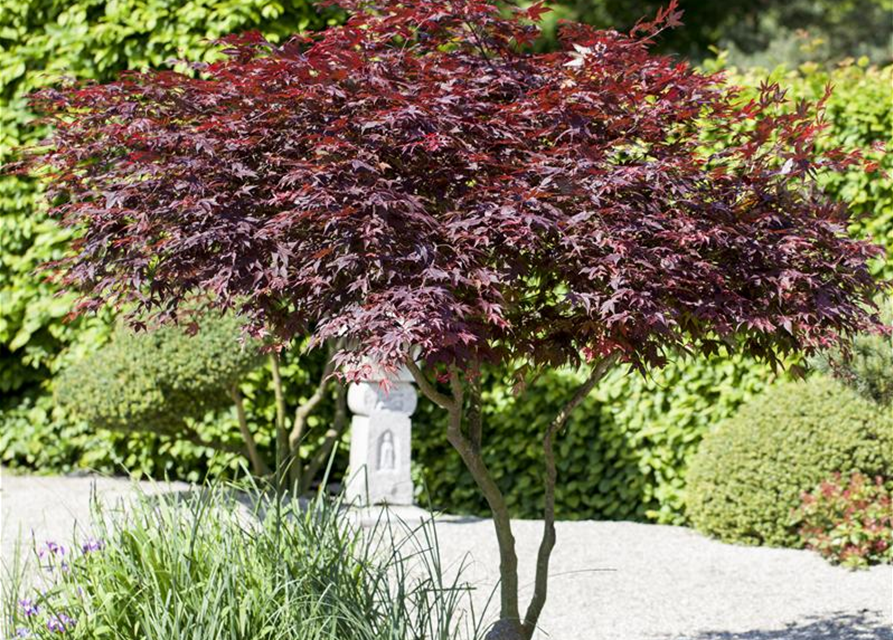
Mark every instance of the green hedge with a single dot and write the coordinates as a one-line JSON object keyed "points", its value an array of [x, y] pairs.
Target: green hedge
{"points": [[622, 455], [748, 477], [40, 40]]}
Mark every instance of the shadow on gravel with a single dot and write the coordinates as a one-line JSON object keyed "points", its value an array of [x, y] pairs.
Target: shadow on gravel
{"points": [[837, 626]]}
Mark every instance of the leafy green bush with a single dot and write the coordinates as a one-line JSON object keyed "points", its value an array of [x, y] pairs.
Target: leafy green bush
{"points": [[157, 380], [622, 455], [848, 521], [162, 381], [206, 567], [36, 434], [748, 475]]}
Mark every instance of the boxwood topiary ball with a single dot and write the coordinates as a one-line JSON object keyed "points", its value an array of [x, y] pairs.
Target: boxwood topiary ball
{"points": [[156, 380], [749, 474]]}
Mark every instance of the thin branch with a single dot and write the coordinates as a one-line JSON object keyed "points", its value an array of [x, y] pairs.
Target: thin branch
{"points": [[547, 544], [427, 388], [474, 462], [339, 425], [281, 433], [306, 408]]}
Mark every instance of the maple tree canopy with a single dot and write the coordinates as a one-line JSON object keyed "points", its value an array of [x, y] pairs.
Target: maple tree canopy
{"points": [[421, 178]]}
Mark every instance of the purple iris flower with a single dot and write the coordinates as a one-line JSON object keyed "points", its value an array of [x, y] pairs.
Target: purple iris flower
{"points": [[92, 544], [59, 623], [51, 548], [29, 608]]}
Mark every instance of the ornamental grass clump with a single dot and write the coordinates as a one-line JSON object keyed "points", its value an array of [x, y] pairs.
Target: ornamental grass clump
{"points": [[205, 566], [424, 186]]}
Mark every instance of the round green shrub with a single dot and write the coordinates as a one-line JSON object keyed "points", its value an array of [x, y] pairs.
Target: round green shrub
{"points": [[156, 380], [748, 475]]}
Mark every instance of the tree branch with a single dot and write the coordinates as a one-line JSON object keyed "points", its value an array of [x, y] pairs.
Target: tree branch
{"points": [[547, 544], [475, 408], [427, 388], [281, 433], [474, 462], [306, 408], [339, 424]]}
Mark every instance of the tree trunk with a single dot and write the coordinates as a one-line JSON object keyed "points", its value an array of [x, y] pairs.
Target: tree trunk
{"points": [[258, 466], [510, 626], [281, 433], [547, 543]]}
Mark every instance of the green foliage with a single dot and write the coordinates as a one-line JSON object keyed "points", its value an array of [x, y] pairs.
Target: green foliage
{"points": [[868, 367], [159, 380], [757, 30], [204, 567], [849, 521], [747, 478], [37, 435], [622, 455]]}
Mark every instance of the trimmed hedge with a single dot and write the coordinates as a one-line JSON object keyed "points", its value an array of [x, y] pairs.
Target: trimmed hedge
{"points": [[40, 40], [749, 474]]}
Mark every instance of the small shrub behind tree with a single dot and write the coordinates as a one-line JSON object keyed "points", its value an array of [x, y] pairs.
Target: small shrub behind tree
{"points": [[162, 381]]}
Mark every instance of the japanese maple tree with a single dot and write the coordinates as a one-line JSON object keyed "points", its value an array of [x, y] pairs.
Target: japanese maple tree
{"points": [[424, 187]]}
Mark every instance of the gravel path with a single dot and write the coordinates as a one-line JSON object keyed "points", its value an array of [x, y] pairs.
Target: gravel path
{"points": [[611, 580]]}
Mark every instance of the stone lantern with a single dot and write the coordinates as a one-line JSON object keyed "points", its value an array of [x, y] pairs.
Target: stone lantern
{"points": [[380, 440]]}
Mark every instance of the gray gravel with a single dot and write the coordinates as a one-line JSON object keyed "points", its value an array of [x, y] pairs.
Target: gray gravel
{"points": [[611, 580]]}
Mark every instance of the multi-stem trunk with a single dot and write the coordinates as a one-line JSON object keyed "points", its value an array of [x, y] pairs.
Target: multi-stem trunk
{"points": [[468, 443]]}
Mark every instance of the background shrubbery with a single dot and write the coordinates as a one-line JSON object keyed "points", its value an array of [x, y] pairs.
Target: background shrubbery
{"points": [[624, 453], [747, 478]]}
